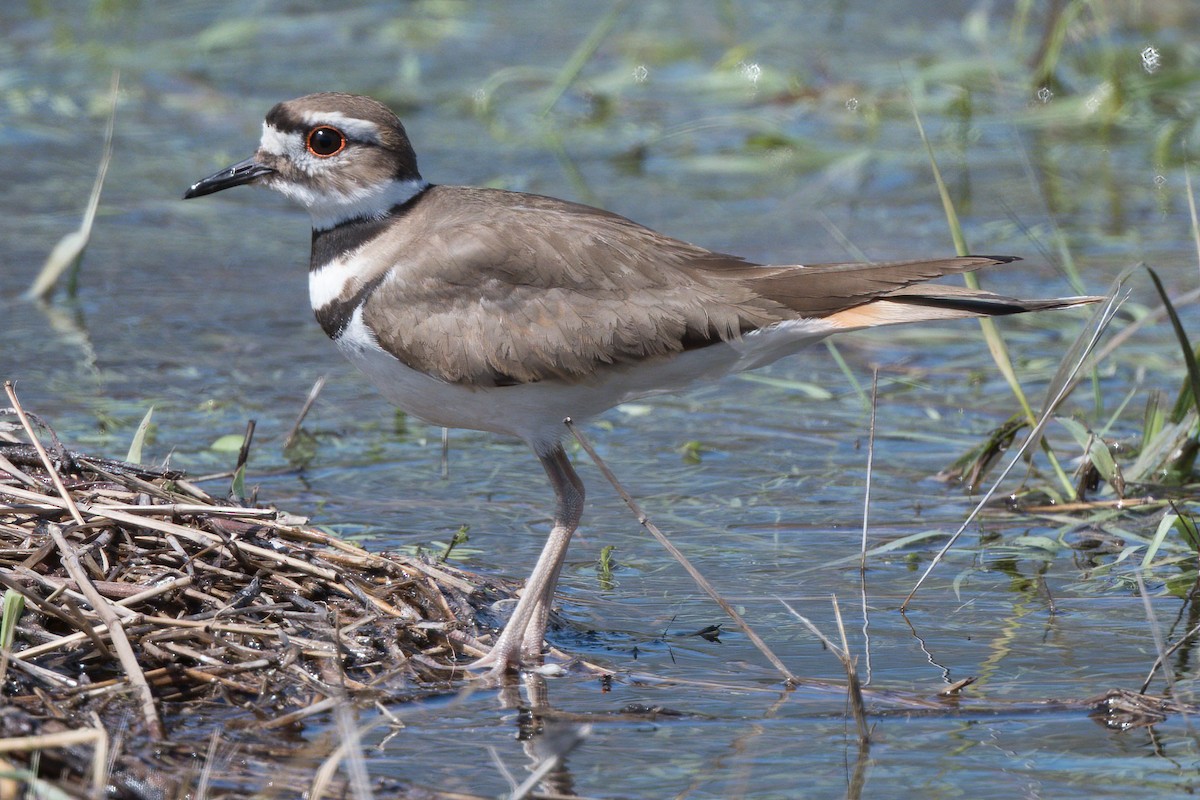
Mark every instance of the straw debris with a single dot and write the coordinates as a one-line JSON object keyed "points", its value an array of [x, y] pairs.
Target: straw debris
{"points": [[248, 607]]}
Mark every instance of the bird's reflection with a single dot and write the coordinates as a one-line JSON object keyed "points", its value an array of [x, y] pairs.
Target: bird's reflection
{"points": [[547, 738]]}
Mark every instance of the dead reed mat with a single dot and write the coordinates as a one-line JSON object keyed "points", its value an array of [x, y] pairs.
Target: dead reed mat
{"points": [[143, 595], [147, 602]]}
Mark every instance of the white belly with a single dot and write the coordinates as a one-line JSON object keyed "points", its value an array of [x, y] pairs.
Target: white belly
{"points": [[535, 411]]}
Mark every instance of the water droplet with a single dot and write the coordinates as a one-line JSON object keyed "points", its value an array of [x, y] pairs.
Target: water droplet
{"points": [[751, 72], [1044, 94], [640, 73], [1151, 59], [852, 104]]}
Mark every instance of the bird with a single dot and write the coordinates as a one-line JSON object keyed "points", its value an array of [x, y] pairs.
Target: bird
{"points": [[510, 312]]}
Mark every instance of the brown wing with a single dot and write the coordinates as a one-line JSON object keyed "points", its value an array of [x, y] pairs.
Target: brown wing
{"points": [[818, 290], [511, 288]]}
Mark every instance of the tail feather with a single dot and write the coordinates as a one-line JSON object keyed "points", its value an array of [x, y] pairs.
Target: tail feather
{"points": [[819, 290], [864, 295], [925, 303]]}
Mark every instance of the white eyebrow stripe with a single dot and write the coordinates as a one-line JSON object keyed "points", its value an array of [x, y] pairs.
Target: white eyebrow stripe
{"points": [[360, 129], [280, 143]]}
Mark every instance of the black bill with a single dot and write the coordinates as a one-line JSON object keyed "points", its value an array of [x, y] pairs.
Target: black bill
{"points": [[242, 172]]}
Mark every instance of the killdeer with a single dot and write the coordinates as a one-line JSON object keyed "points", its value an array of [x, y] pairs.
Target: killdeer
{"points": [[508, 312]]}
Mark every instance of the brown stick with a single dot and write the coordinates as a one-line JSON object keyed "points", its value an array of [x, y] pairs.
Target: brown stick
{"points": [[97, 737], [853, 686], [102, 606], [308, 404], [700, 580], [164, 526], [1103, 317], [862, 557]]}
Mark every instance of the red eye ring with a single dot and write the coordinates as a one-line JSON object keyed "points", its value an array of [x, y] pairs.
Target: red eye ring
{"points": [[325, 141]]}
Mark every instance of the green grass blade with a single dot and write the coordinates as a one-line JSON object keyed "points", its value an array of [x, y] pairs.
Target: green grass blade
{"points": [[1070, 371], [956, 232], [604, 568], [1067, 377], [1153, 419], [67, 253], [1165, 526], [995, 344], [1115, 416], [1189, 355], [1191, 198], [1095, 449], [863, 397], [460, 537], [582, 55], [991, 335], [1153, 462], [808, 389], [134, 456], [237, 489], [14, 606]]}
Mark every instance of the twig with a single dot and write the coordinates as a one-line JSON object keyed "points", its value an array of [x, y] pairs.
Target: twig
{"points": [[116, 632], [93, 736], [700, 580], [1103, 317], [172, 510], [862, 563], [47, 676], [238, 488], [1163, 656], [210, 763], [319, 707], [11, 469], [171, 528], [99, 604], [853, 687], [317, 386], [1160, 646]]}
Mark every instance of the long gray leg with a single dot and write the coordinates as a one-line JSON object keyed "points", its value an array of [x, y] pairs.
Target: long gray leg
{"points": [[522, 638]]}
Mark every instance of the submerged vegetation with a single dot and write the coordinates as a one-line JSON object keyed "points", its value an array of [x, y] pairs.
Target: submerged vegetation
{"points": [[237, 612]]}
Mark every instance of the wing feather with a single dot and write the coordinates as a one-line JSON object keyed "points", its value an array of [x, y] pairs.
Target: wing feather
{"points": [[492, 287]]}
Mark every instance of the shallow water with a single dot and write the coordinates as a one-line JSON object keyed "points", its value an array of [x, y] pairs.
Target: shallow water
{"points": [[199, 309]]}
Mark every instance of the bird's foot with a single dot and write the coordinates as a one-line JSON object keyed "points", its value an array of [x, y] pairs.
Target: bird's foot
{"points": [[493, 667], [511, 654]]}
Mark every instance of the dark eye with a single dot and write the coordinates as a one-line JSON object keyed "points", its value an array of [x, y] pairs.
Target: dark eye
{"points": [[325, 141]]}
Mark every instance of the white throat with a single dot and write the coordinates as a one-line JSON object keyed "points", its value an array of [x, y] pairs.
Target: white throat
{"points": [[329, 209], [332, 204]]}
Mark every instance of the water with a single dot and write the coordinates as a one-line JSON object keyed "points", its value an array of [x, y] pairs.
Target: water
{"points": [[752, 128]]}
